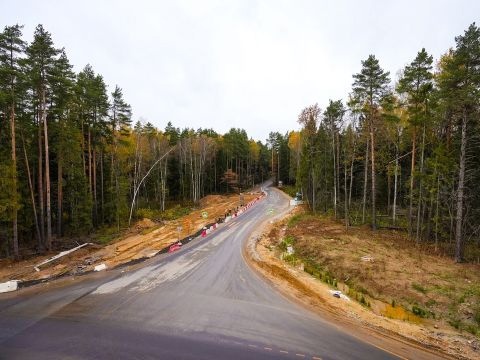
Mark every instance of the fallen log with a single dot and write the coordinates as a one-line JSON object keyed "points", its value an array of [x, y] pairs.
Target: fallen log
{"points": [[58, 256]]}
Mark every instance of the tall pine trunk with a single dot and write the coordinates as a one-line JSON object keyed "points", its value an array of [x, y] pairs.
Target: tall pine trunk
{"points": [[365, 181], [89, 151], [412, 183], [41, 203], [460, 193], [47, 173], [338, 166], [102, 199], [334, 152], [59, 194], [14, 179], [395, 186], [420, 189], [94, 180], [351, 173], [345, 188], [372, 148], [389, 189], [32, 195]]}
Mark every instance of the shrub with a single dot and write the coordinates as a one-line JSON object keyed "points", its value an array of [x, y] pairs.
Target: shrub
{"points": [[175, 212], [476, 315], [455, 322], [286, 242], [472, 329], [147, 213], [420, 312]]}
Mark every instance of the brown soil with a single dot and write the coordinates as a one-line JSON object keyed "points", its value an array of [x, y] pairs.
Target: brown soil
{"points": [[388, 275], [144, 238]]}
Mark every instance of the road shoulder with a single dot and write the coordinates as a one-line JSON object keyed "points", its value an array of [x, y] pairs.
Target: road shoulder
{"points": [[351, 317]]}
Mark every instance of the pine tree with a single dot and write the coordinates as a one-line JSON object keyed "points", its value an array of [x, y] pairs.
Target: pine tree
{"points": [[459, 84], [417, 83], [62, 83], [333, 117], [11, 48], [41, 56], [120, 121], [307, 178], [369, 87], [92, 109]]}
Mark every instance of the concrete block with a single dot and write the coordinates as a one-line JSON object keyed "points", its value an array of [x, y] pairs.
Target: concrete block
{"points": [[8, 286], [100, 267]]}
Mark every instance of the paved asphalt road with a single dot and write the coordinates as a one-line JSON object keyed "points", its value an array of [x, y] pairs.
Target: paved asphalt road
{"points": [[202, 302]]}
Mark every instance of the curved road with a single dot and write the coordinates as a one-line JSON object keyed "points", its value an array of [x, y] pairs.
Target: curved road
{"points": [[202, 302]]}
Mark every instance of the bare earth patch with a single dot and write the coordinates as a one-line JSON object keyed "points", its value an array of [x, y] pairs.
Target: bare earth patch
{"points": [[144, 238], [382, 268]]}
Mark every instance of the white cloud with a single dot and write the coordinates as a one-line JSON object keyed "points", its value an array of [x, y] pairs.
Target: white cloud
{"points": [[249, 64]]}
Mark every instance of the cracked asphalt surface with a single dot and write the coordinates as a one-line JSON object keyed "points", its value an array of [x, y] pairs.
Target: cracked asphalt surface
{"points": [[202, 302]]}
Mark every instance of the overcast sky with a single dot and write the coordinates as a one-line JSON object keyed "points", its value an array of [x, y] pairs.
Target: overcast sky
{"points": [[248, 64]]}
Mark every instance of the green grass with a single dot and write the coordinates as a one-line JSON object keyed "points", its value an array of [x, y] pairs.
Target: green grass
{"points": [[419, 288], [290, 190], [288, 240], [176, 212], [298, 218], [148, 213], [172, 213], [295, 219], [462, 326], [106, 235]]}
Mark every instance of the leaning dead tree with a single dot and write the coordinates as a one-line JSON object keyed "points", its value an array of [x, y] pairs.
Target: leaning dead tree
{"points": [[143, 179]]}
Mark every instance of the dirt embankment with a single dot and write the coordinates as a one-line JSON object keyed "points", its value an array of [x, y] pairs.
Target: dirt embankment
{"points": [[375, 270], [144, 238]]}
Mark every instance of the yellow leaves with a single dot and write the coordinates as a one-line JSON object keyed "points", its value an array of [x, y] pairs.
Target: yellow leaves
{"points": [[294, 141], [254, 150]]}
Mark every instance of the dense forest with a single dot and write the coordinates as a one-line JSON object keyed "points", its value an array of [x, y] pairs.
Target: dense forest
{"points": [[72, 160], [400, 155]]}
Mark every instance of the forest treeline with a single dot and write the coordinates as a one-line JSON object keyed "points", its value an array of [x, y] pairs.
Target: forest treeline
{"points": [[402, 155], [72, 161]]}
